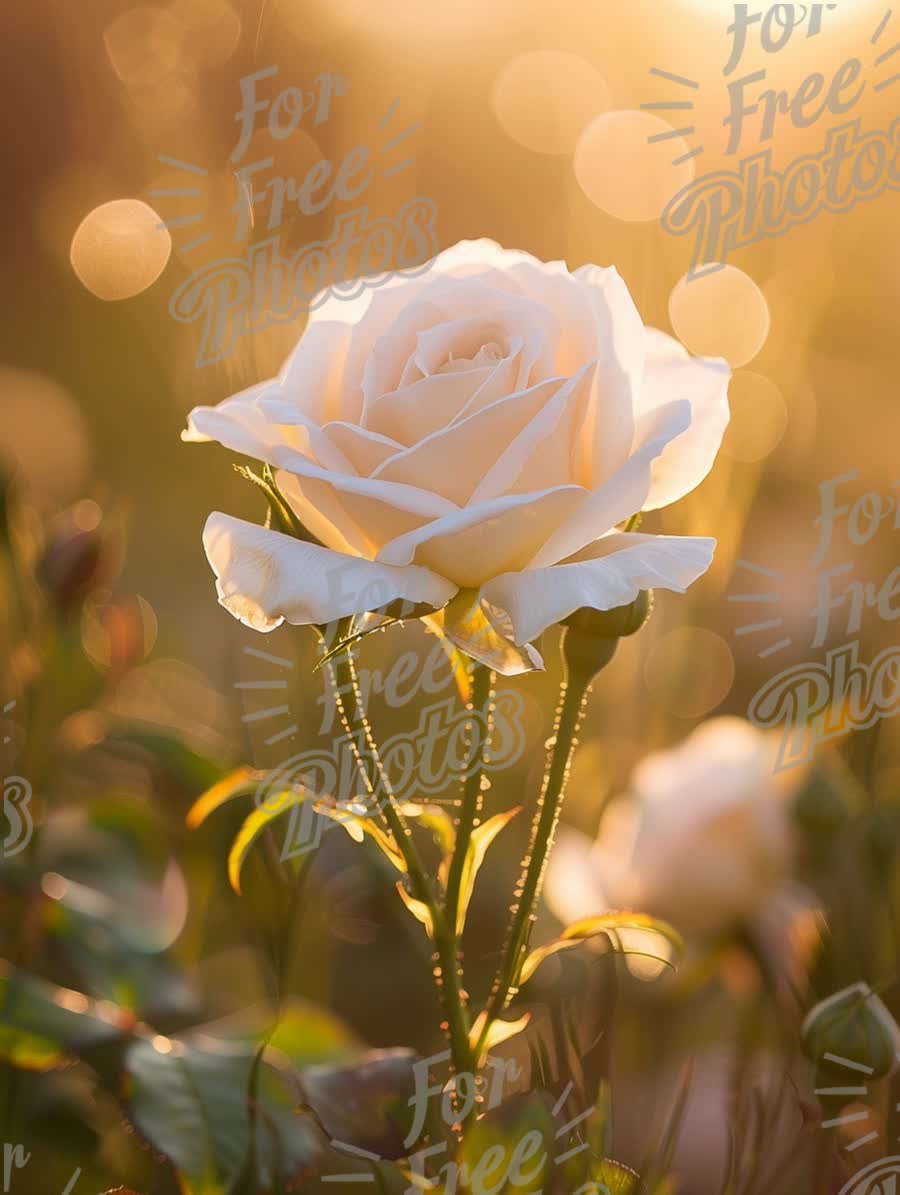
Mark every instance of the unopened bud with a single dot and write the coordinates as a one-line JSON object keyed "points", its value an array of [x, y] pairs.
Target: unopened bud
{"points": [[616, 623], [851, 1030], [73, 565]]}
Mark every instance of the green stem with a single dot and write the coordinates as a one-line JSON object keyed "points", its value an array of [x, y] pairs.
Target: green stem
{"points": [[473, 795], [353, 717], [573, 695]]}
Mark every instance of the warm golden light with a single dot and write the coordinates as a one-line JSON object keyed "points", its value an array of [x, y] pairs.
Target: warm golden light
{"points": [[43, 436], [721, 314], [120, 248], [545, 99], [627, 174], [143, 44]]}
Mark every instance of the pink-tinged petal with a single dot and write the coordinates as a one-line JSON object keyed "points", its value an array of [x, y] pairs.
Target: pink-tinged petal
{"points": [[456, 458], [415, 411], [265, 578], [237, 423], [540, 455], [620, 497], [608, 426], [610, 573], [347, 520], [476, 543], [671, 373], [312, 378], [365, 450], [299, 432]]}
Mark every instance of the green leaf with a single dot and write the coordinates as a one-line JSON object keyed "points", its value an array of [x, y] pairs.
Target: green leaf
{"points": [[510, 1149], [418, 908], [367, 1103], [498, 1032], [243, 782], [185, 766], [609, 924], [192, 1103], [253, 826], [482, 837], [435, 819], [43, 1026]]}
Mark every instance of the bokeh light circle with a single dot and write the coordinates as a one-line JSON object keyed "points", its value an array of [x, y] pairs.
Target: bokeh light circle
{"points": [[689, 671], [720, 313], [143, 44], [120, 248], [544, 99], [43, 436], [626, 174], [759, 417]]}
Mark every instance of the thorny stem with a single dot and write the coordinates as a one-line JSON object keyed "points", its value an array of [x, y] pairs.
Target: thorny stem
{"points": [[353, 717], [573, 697], [473, 793]]}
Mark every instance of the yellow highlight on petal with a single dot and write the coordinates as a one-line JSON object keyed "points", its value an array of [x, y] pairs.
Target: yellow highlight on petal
{"points": [[120, 248]]}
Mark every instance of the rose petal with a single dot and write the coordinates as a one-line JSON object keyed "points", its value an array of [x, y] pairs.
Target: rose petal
{"points": [[456, 458], [671, 373], [622, 495], [540, 454], [364, 449], [264, 578], [610, 573], [476, 543]]}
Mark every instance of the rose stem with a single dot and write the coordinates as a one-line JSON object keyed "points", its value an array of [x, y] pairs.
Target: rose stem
{"points": [[573, 698], [473, 793], [353, 716]]}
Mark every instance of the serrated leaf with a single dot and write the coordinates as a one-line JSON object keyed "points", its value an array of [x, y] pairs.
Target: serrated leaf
{"points": [[242, 782], [482, 837], [418, 908], [359, 824], [43, 1026], [608, 923]]}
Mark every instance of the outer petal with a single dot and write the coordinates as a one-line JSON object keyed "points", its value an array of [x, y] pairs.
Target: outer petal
{"points": [[609, 573], [265, 578], [476, 543], [237, 423], [622, 495], [671, 373]]}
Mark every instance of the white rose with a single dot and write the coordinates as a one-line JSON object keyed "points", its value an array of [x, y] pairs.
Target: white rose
{"points": [[703, 840], [486, 426]]}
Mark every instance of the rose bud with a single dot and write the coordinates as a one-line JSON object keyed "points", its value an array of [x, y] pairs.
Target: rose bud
{"points": [[73, 565], [852, 1026], [616, 623], [590, 637]]}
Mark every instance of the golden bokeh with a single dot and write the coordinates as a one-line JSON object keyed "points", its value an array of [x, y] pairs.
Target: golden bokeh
{"points": [[722, 313], [43, 436], [545, 99], [626, 174], [689, 671], [211, 31], [143, 44], [759, 417], [120, 248]]}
